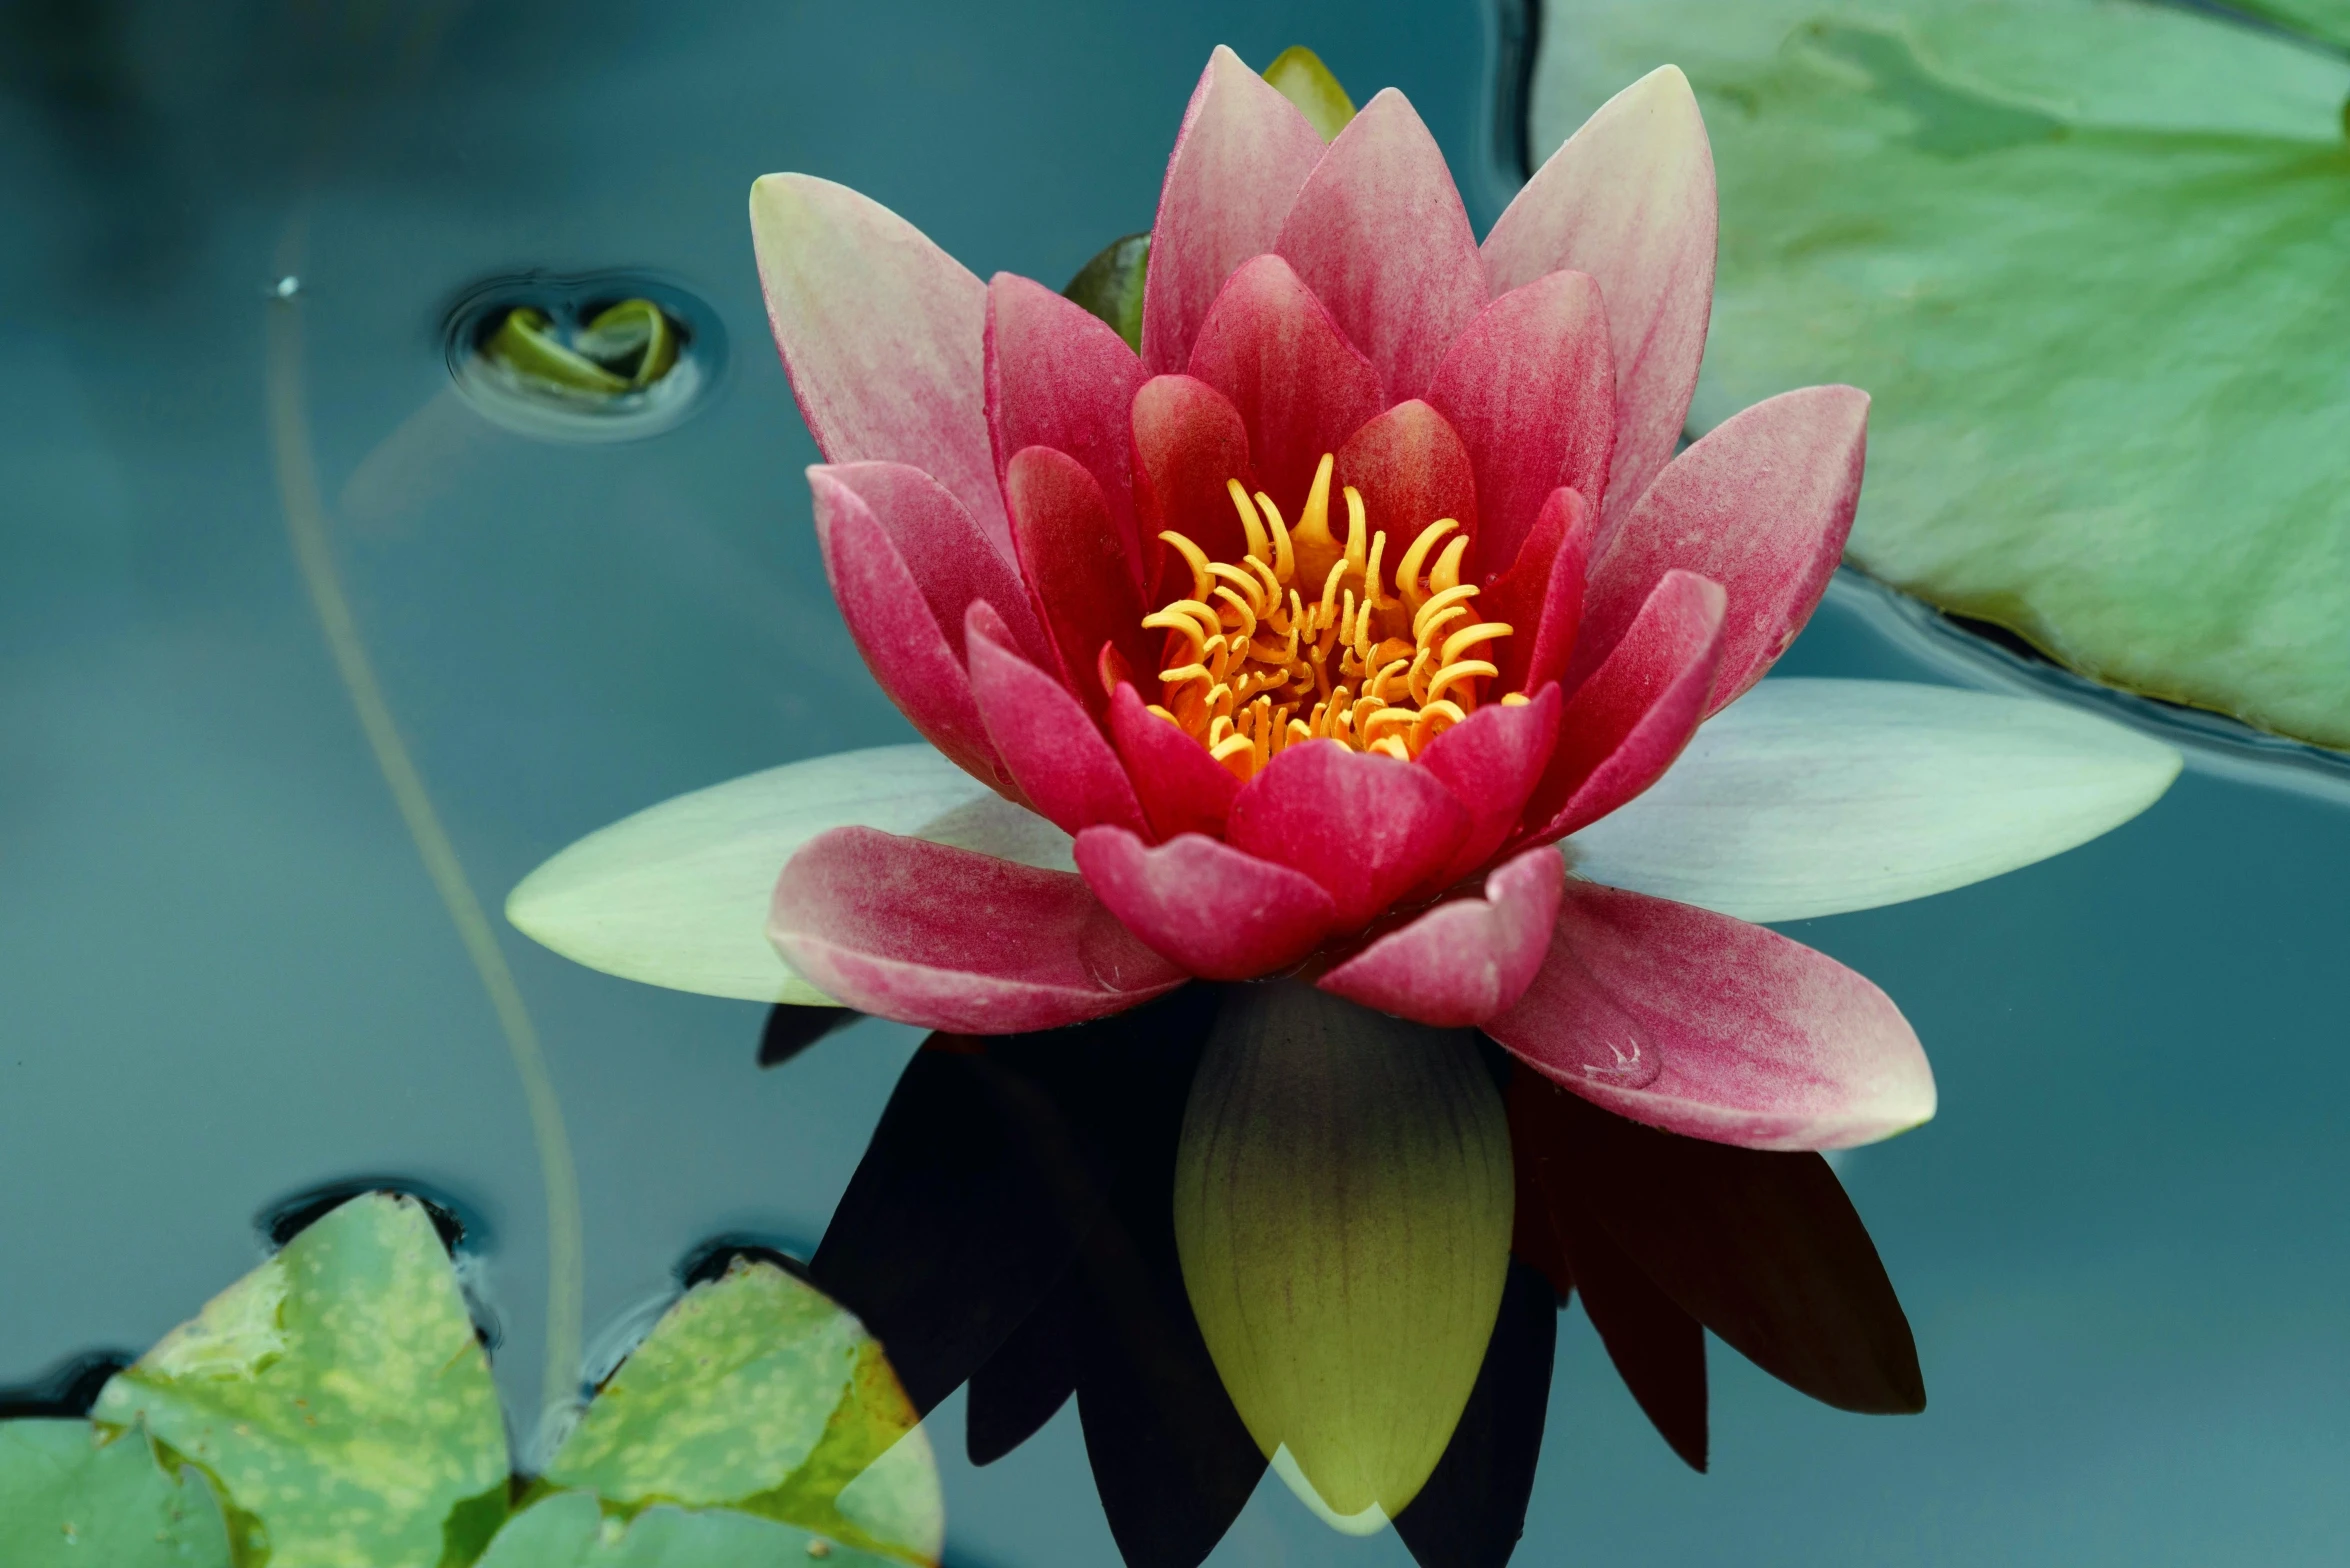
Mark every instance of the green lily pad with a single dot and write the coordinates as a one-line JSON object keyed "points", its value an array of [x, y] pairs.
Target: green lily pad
{"points": [[337, 1397], [756, 1392], [2092, 260], [571, 1530], [73, 1492], [1110, 285]]}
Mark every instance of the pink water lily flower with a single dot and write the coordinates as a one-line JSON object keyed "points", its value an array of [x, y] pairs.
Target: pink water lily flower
{"points": [[1316, 627]]}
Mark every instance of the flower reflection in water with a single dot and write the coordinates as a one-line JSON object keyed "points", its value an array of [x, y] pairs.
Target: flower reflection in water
{"points": [[1021, 1222]]}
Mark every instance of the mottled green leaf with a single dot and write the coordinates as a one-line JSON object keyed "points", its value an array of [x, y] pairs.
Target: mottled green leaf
{"points": [[1110, 285], [1304, 80], [336, 1395], [2092, 260], [756, 1392], [75, 1493], [570, 1530]]}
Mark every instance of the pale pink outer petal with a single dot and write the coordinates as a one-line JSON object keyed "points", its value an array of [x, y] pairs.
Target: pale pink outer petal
{"points": [[1069, 773], [1491, 763], [1270, 347], [1625, 725], [1712, 1028], [1240, 157], [1630, 200], [1366, 827], [1220, 913], [903, 644], [1530, 386], [951, 560], [880, 333], [1462, 962], [1060, 376], [948, 939], [1379, 235], [1762, 506], [1182, 788]]}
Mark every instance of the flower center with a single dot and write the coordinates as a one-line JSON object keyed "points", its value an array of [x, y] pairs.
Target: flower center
{"points": [[1254, 665]]}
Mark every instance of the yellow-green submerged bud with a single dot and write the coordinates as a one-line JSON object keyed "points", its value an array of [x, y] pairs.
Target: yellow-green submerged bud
{"points": [[1342, 1210]]}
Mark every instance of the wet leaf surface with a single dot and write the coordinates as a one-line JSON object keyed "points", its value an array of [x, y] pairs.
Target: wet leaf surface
{"points": [[72, 1493]]}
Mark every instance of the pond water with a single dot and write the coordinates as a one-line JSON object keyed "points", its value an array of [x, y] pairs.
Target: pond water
{"points": [[2123, 1244]]}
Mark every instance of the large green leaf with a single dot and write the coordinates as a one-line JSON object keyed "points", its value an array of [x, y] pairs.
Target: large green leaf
{"points": [[2092, 259], [72, 1492], [338, 1397], [570, 1530], [756, 1392]]}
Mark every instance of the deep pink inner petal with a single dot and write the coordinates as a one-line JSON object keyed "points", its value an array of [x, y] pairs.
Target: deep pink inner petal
{"points": [[1379, 235], [1066, 768], [1240, 157], [1411, 470], [1541, 595], [1182, 788], [1530, 386], [1218, 912], [1626, 724], [949, 939], [1059, 376], [1630, 200], [1076, 566], [898, 633], [1712, 1028], [1762, 506], [1188, 442], [1271, 347], [1464, 961], [1491, 763], [1366, 827]]}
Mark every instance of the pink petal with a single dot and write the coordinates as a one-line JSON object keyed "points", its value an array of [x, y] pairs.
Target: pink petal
{"points": [[880, 333], [940, 544], [1626, 724], [1069, 773], [1541, 595], [1366, 827], [1491, 762], [1379, 235], [1188, 441], [1630, 200], [1239, 159], [1060, 376], [1221, 914], [1761, 505], [948, 939], [1709, 1027], [1530, 386], [1076, 565], [1183, 789], [1301, 388], [1462, 962], [1411, 470], [898, 633]]}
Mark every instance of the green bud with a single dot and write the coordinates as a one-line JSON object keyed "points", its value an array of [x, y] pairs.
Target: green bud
{"points": [[1343, 1200], [1305, 81]]}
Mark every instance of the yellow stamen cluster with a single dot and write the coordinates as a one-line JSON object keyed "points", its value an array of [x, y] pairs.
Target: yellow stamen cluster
{"points": [[1253, 665]]}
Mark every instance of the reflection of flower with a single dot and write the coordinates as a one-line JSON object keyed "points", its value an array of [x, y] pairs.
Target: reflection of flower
{"points": [[1009, 1226]]}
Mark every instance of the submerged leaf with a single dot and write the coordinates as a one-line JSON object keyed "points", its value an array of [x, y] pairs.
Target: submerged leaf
{"points": [[756, 1392], [73, 1493], [1343, 1207], [1304, 80], [337, 1394], [569, 1530], [2088, 259]]}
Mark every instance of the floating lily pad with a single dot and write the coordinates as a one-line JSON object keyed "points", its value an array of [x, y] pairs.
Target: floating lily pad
{"points": [[73, 1492], [571, 1530], [337, 1396], [2092, 260], [756, 1392]]}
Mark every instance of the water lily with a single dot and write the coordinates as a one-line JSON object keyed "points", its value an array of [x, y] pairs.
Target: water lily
{"points": [[1298, 642]]}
